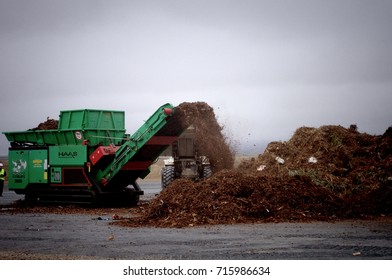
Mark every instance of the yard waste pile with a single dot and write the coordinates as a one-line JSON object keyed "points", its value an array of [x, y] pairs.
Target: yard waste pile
{"points": [[49, 124], [325, 174]]}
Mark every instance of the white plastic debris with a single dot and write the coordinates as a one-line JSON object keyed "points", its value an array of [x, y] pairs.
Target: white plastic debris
{"points": [[261, 167], [279, 160], [312, 160], [169, 161]]}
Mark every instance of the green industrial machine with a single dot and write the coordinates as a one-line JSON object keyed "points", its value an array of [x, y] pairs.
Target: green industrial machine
{"points": [[89, 157]]}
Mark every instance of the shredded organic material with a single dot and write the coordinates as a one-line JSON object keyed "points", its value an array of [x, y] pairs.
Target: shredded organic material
{"points": [[49, 124], [324, 173]]}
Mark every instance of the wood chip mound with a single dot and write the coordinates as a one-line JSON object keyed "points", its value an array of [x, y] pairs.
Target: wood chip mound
{"points": [[325, 173]]}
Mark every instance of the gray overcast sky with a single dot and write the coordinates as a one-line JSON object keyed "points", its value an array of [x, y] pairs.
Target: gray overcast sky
{"points": [[266, 67]]}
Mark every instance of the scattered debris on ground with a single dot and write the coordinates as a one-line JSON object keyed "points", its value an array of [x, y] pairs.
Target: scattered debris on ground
{"points": [[107, 213]]}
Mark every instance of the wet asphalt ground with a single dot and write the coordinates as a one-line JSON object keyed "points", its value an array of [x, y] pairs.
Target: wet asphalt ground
{"points": [[90, 236]]}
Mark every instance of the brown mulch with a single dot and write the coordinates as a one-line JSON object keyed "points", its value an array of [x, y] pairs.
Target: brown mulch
{"points": [[231, 197], [49, 124], [348, 162], [350, 176], [20, 207]]}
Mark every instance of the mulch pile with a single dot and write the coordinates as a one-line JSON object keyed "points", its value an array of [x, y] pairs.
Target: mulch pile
{"points": [[49, 124], [325, 174]]}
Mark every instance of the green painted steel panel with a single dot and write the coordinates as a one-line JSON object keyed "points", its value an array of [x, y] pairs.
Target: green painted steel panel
{"points": [[104, 137], [98, 127], [27, 166], [67, 137], [38, 166], [18, 175], [92, 119], [67, 155]]}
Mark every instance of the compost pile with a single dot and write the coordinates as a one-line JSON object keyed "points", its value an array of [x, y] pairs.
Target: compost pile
{"points": [[47, 125], [325, 173], [209, 136]]}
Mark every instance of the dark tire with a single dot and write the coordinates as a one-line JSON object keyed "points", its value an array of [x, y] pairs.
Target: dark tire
{"points": [[167, 176], [207, 171]]}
